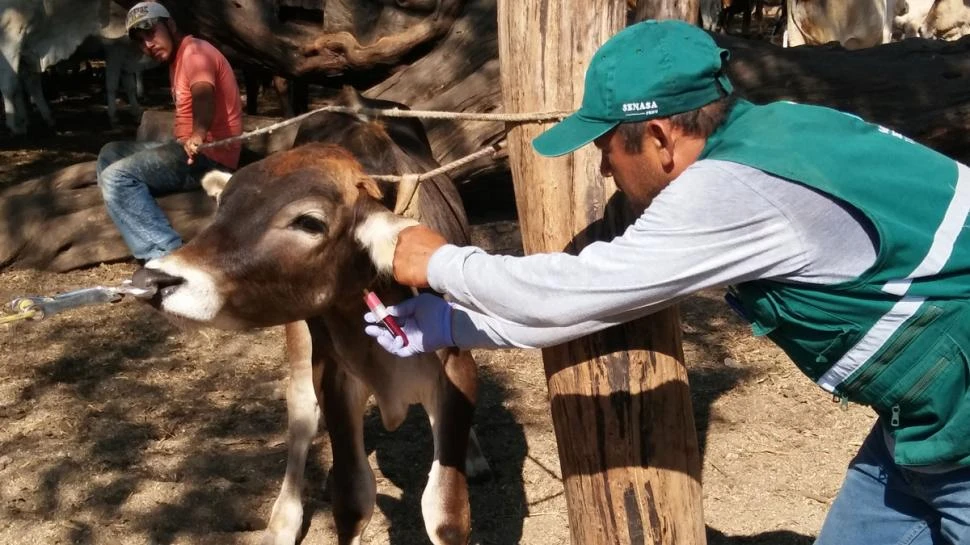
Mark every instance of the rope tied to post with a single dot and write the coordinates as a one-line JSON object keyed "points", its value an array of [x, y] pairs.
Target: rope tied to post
{"points": [[409, 182], [394, 112]]}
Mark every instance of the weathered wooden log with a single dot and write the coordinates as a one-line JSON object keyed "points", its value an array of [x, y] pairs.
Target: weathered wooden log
{"points": [[58, 222], [348, 36], [461, 74], [918, 87], [620, 401]]}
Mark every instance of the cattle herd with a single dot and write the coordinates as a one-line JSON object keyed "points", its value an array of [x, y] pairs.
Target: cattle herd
{"points": [[37, 36]]}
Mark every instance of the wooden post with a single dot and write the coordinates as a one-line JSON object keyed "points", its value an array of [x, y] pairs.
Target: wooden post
{"points": [[685, 10], [620, 401]]}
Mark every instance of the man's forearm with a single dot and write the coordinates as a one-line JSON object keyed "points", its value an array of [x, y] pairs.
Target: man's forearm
{"points": [[472, 329], [203, 108]]}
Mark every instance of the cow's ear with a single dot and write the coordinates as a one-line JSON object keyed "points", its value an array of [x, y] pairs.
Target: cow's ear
{"points": [[367, 185], [214, 183]]}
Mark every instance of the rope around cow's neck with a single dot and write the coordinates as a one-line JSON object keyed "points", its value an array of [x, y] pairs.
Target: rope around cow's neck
{"points": [[420, 114]]}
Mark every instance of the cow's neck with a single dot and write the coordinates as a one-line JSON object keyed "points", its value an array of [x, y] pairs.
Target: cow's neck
{"points": [[349, 307]]}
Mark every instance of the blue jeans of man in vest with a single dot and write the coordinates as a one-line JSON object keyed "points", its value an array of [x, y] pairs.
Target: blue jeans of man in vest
{"points": [[882, 503], [131, 175]]}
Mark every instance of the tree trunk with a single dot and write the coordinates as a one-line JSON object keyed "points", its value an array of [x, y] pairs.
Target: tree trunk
{"points": [[461, 74], [685, 10], [345, 36], [917, 87], [620, 401]]}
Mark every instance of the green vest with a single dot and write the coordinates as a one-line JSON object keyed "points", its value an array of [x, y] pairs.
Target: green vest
{"points": [[897, 337]]}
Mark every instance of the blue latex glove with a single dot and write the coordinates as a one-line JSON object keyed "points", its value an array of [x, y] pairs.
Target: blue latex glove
{"points": [[425, 319]]}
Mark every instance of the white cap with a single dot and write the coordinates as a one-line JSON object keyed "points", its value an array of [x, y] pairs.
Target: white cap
{"points": [[144, 15]]}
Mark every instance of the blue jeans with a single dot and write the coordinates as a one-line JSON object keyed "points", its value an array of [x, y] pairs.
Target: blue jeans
{"points": [[131, 175], [881, 503]]}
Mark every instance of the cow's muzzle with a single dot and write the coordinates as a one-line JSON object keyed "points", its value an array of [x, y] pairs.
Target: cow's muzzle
{"points": [[163, 283]]}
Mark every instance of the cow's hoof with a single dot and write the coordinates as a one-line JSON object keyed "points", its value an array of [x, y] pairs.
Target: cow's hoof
{"points": [[278, 538], [477, 471]]}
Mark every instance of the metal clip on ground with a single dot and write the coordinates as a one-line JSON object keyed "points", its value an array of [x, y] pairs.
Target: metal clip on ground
{"points": [[40, 307]]}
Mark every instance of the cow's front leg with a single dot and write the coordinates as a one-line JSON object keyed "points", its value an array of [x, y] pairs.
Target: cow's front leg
{"points": [[477, 468], [129, 81], [14, 106], [352, 485], [13, 103], [303, 416], [114, 56], [444, 503], [32, 83]]}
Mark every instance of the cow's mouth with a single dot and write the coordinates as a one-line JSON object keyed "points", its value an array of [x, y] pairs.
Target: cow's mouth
{"points": [[180, 289], [162, 283]]}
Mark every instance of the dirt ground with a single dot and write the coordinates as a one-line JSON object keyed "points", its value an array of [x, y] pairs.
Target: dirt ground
{"points": [[117, 427]]}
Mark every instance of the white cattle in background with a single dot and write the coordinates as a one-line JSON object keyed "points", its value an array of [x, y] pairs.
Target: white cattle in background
{"points": [[910, 15], [35, 35], [123, 65], [853, 23], [946, 20]]}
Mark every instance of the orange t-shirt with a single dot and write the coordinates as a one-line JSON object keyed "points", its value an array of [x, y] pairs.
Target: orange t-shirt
{"points": [[199, 61]]}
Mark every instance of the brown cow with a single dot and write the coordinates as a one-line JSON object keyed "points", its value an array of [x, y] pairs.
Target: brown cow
{"points": [[296, 239]]}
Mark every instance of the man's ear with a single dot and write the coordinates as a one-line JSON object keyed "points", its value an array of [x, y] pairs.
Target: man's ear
{"points": [[214, 183], [658, 133]]}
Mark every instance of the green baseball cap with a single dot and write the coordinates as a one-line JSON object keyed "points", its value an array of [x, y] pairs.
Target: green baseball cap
{"points": [[647, 70]]}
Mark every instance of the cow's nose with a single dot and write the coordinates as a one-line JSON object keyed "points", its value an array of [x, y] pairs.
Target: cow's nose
{"points": [[162, 282]]}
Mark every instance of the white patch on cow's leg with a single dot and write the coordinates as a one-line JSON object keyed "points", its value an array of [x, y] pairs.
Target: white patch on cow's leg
{"points": [[303, 416], [444, 506], [197, 298], [444, 502], [378, 235]]}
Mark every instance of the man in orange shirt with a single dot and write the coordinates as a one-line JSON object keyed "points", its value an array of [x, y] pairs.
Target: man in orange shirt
{"points": [[207, 108]]}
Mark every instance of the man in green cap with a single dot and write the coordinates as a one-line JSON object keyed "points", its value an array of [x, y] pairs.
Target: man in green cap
{"points": [[838, 239]]}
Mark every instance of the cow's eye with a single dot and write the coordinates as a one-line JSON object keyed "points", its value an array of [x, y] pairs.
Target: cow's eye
{"points": [[310, 224]]}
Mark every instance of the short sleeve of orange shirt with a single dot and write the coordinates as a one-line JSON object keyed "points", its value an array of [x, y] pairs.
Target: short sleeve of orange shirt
{"points": [[199, 61]]}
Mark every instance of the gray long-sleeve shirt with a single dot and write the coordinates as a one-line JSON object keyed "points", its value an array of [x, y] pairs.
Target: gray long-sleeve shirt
{"points": [[717, 224]]}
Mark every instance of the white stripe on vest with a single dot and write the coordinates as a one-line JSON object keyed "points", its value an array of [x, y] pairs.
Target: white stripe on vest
{"points": [[936, 257]]}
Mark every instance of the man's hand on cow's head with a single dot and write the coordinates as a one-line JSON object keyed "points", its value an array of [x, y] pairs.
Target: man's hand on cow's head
{"points": [[412, 254]]}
